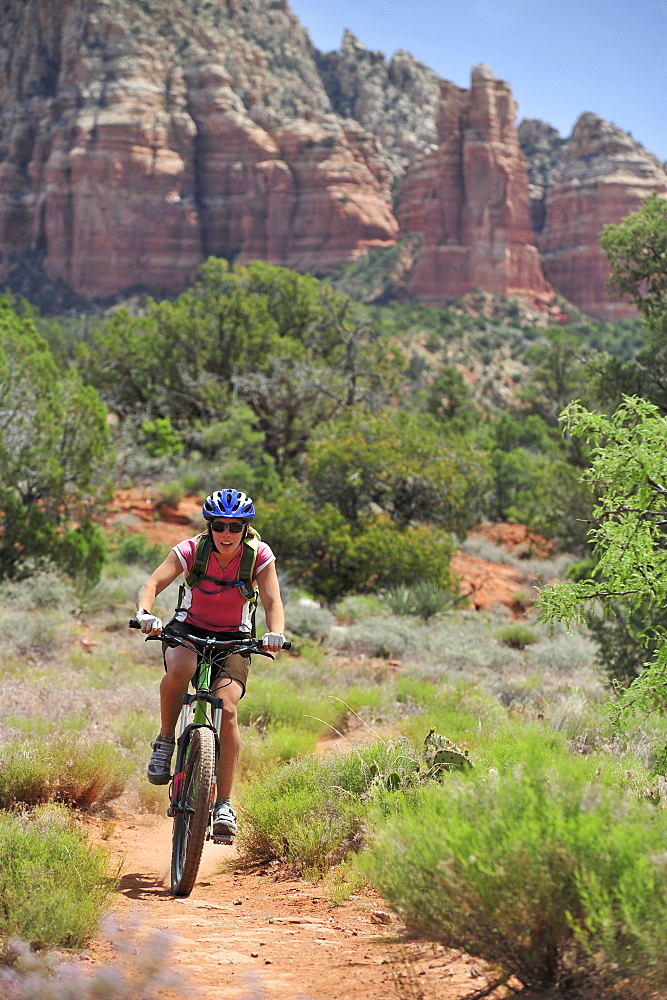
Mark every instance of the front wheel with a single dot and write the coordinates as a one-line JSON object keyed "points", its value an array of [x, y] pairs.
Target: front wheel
{"points": [[191, 820]]}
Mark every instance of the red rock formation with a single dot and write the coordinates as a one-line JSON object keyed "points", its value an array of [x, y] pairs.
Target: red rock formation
{"points": [[307, 195], [469, 196], [603, 176], [136, 139], [128, 155]]}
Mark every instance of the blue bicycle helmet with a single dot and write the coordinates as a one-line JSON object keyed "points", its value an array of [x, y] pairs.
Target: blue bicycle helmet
{"points": [[228, 503]]}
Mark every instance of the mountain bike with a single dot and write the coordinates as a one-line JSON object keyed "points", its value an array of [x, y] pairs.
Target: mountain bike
{"points": [[192, 789]]}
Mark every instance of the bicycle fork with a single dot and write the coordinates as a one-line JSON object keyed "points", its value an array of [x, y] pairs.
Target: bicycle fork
{"points": [[193, 718]]}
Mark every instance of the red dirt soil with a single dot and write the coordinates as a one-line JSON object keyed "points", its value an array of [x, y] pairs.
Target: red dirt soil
{"points": [[240, 929]]}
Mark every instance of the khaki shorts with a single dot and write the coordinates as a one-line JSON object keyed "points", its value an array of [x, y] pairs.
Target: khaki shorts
{"points": [[235, 666]]}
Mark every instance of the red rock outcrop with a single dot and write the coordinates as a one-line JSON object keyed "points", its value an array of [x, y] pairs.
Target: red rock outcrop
{"points": [[603, 175], [136, 140], [469, 196]]}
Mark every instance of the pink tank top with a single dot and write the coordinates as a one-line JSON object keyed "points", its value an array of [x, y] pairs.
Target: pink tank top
{"points": [[210, 607]]}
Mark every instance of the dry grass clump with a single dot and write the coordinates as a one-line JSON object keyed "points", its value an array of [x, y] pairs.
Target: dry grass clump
{"points": [[68, 769]]}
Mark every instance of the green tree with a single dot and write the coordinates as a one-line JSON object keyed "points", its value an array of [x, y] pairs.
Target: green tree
{"points": [[559, 375], [403, 463], [54, 457], [636, 249], [327, 555], [628, 531], [450, 402]]}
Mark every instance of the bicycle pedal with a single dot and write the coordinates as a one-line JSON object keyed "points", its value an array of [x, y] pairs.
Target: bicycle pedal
{"points": [[223, 840]]}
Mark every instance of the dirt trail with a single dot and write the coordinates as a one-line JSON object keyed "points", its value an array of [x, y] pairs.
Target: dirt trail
{"points": [[239, 929]]}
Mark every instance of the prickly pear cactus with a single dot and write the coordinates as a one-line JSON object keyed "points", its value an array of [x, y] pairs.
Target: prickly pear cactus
{"points": [[442, 755]]}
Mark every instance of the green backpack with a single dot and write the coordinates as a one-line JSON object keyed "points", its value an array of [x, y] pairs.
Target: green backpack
{"points": [[198, 575]]}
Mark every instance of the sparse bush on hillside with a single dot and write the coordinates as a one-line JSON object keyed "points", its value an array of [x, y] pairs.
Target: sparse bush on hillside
{"points": [[131, 548], [517, 636]]}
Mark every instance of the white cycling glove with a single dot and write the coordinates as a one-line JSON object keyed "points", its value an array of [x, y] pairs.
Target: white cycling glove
{"points": [[273, 639], [149, 622]]}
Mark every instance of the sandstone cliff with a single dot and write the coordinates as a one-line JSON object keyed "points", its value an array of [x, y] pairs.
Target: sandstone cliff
{"points": [[397, 101], [602, 175], [469, 197], [137, 138]]}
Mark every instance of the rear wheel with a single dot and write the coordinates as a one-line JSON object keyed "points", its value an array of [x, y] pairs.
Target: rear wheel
{"points": [[191, 820]]}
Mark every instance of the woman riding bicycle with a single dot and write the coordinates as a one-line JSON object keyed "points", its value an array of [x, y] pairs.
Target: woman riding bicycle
{"points": [[216, 600]]}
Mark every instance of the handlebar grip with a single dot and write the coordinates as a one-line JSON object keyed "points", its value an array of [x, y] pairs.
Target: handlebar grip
{"points": [[287, 645], [133, 623]]}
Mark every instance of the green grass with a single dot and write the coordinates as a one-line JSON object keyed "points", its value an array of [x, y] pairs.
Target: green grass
{"points": [[35, 725], [272, 703], [136, 728], [54, 885]]}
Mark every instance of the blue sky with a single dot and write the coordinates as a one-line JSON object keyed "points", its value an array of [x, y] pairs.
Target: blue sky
{"points": [[561, 57]]}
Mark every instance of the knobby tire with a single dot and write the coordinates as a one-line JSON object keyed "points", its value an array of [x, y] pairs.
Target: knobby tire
{"points": [[191, 822]]}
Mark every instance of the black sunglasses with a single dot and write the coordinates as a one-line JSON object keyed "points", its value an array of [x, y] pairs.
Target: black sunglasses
{"points": [[234, 526]]}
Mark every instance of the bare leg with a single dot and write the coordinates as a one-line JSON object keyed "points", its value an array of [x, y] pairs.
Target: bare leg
{"points": [[181, 666], [230, 737]]}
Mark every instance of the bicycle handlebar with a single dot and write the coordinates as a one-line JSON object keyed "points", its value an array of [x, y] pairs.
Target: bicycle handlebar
{"points": [[252, 644]]}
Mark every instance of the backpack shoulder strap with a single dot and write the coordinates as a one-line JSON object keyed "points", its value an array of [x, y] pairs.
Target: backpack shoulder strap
{"points": [[247, 567], [202, 555]]}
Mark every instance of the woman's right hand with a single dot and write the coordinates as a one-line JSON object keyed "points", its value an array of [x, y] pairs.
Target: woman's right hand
{"points": [[148, 622]]}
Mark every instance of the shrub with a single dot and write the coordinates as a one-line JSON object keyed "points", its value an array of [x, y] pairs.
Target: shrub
{"points": [[424, 600], [68, 769], [38, 635], [169, 494], [141, 970], [307, 618], [311, 813], [356, 607], [332, 558], [134, 549], [44, 590], [388, 638], [551, 874], [517, 636], [53, 884]]}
